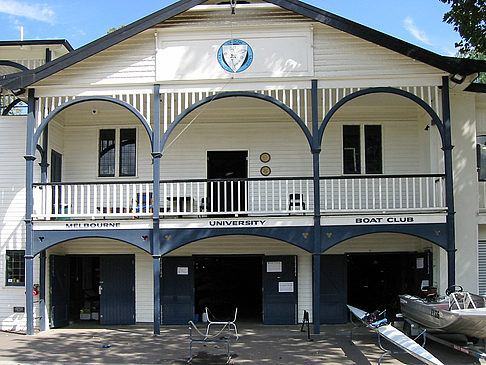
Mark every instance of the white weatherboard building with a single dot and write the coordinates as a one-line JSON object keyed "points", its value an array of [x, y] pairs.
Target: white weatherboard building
{"points": [[267, 155]]}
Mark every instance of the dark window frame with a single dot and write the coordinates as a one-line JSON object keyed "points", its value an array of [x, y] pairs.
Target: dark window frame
{"points": [[106, 152], [481, 156], [19, 265], [361, 151], [120, 147], [127, 154]]}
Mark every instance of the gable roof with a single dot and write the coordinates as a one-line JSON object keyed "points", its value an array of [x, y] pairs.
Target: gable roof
{"points": [[452, 65]]}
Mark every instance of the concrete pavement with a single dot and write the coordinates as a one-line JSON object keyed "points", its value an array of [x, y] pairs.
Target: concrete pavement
{"points": [[258, 344]]}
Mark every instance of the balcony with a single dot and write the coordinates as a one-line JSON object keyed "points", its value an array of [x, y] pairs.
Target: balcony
{"points": [[255, 197]]}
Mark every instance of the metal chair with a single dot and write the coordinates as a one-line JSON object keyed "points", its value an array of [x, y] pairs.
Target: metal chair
{"points": [[195, 335], [229, 324], [296, 202]]}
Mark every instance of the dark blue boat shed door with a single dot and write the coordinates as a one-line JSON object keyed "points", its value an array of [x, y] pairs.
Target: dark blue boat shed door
{"points": [[177, 290], [117, 289], [59, 290], [333, 289], [280, 290]]}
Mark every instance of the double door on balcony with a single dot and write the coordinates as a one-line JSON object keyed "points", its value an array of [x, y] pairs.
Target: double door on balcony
{"points": [[226, 172]]}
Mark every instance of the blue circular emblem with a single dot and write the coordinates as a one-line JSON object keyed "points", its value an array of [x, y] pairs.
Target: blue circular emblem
{"points": [[235, 55]]}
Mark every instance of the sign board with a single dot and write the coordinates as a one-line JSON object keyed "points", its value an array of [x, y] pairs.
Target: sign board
{"points": [[286, 287], [274, 266]]}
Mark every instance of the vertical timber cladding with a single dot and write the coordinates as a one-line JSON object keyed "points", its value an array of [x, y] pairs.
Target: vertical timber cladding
{"points": [[280, 290]]}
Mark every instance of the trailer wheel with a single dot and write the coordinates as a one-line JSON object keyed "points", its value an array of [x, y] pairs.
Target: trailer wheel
{"points": [[407, 328]]}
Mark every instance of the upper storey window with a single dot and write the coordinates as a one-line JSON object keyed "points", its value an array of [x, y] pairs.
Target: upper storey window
{"points": [[481, 157], [126, 148], [362, 149]]}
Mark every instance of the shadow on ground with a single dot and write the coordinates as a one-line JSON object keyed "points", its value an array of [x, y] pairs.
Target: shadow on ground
{"points": [[258, 344]]}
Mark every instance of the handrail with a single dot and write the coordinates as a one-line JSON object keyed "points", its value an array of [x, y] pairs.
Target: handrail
{"points": [[333, 177]]}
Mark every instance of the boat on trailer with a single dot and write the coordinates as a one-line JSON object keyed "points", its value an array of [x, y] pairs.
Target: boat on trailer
{"points": [[458, 312], [394, 336]]}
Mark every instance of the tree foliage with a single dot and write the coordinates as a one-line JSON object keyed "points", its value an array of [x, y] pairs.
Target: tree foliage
{"points": [[478, 56], [469, 19], [111, 30]]}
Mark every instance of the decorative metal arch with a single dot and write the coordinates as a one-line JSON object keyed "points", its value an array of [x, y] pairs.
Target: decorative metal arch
{"points": [[231, 94], [10, 106], [387, 90], [13, 64], [137, 238], [84, 99], [435, 234], [300, 237]]}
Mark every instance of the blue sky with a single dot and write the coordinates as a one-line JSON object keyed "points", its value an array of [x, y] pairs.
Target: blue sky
{"points": [[80, 22]]}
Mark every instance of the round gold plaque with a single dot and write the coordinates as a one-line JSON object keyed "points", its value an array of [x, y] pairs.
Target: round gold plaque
{"points": [[265, 171], [265, 157]]}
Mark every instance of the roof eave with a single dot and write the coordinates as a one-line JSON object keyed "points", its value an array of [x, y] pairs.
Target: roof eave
{"points": [[32, 76], [451, 65], [454, 66]]}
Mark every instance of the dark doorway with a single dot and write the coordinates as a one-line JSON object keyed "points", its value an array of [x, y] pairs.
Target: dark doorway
{"points": [[375, 280], [223, 283], [96, 288], [84, 297], [227, 191], [56, 166], [56, 176], [59, 293]]}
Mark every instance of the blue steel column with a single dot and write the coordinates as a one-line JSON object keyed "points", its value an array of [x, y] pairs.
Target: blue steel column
{"points": [[156, 154], [449, 181], [316, 255], [29, 178], [42, 274]]}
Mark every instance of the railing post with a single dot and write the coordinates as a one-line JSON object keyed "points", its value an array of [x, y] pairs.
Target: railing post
{"points": [[449, 184], [316, 255]]}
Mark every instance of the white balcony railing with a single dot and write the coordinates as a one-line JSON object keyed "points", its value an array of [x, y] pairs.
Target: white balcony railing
{"points": [[271, 196], [92, 200], [382, 193]]}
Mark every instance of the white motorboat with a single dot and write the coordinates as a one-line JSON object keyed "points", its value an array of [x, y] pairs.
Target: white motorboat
{"points": [[459, 312]]}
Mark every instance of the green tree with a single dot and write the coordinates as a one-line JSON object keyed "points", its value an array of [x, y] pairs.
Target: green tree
{"points": [[111, 30], [469, 19], [478, 56]]}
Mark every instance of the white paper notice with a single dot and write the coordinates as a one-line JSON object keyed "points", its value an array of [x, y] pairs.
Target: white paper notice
{"points": [[274, 266], [286, 287], [420, 262], [182, 270]]}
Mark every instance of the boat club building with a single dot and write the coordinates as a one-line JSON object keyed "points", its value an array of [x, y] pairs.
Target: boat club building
{"points": [[266, 155]]}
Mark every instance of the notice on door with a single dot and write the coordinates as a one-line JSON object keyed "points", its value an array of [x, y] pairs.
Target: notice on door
{"points": [[274, 266], [182, 270], [286, 287]]}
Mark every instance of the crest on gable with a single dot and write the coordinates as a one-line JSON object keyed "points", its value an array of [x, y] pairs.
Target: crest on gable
{"points": [[235, 55]]}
